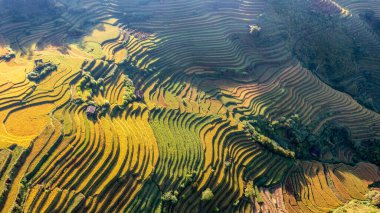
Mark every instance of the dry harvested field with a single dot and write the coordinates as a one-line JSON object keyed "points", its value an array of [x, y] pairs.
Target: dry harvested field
{"points": [[147, 106]]}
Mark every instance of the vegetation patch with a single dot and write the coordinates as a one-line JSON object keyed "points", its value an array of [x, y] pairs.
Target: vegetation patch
{"points": [[88, 87], [169, 198], [368, 150], [290, 138], [41, 70], [357, 206], [207, 195], [7, 54], [130, 91]]}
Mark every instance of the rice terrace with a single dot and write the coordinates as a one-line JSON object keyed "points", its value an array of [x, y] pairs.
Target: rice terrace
{"points": [[190, 106]]}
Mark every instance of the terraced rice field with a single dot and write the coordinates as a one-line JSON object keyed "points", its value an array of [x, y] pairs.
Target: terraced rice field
{"points": [[196, 72]]}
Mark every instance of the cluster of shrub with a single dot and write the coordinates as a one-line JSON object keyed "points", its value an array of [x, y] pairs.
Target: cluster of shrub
{"points": [[368, 150], [8, 56], [41, 70], [88, 87], [90, 84], [129, 94], [374, 197], [289, 137], [252, 191], [261, 131], [92, 87], [170, 198]]}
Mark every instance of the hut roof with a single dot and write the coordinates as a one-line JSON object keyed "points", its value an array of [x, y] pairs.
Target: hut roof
{"points": [[91, 109]]}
